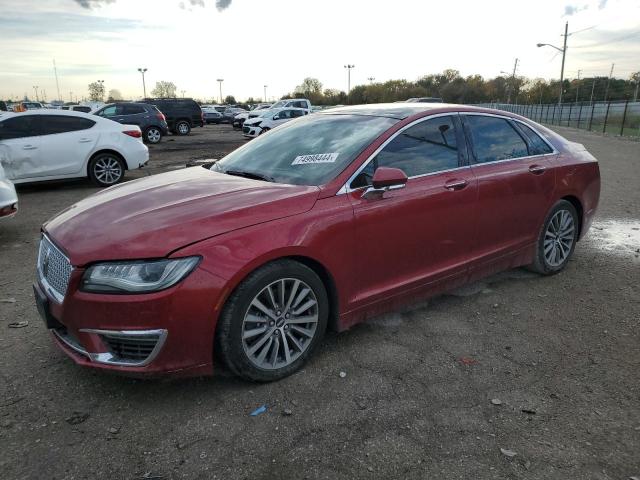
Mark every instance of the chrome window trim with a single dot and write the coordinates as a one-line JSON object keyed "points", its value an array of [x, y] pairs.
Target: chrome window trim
{"points": [[346, 188], [58, 297], [107, 357], [554, 151]]}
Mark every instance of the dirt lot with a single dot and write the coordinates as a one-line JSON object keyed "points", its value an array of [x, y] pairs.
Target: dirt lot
{"points": [[558, 356]]}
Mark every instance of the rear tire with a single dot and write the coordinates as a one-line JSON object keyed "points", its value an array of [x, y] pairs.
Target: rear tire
{"points": [[557, 239], [152, 135], [182, 127], [276, 338], [106, 169]]}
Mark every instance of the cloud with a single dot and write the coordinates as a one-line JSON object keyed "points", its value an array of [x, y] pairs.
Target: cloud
{"points": [[602, 4], [224, 4], [573, 9], [89, 4]]}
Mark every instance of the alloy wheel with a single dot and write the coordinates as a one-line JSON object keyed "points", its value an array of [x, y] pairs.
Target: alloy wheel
{"points": [[280, 324], [108, 170], [183, 128], [559, 238], [153, 135]]}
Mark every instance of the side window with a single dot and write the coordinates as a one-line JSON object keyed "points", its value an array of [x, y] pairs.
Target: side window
{"points": [[495, 139], [297, 113], [538, 145], [52, 124], [132, 109], [108, 111], [428, 147], [19, 127]]}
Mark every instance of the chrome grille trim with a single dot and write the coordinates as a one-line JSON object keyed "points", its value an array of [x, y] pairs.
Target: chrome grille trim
{"points": [[143, 338], [54, 269]]}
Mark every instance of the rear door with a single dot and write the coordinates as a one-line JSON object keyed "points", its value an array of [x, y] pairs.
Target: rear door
{"points": [[66, 144], [421, 234], [20, 146], [516, 182], [133, 114]]}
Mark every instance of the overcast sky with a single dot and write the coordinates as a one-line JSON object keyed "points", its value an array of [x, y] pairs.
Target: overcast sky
{"points": [[251, 43]]}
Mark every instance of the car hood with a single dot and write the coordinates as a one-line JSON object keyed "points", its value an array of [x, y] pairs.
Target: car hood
{"points": [[154, 216]]}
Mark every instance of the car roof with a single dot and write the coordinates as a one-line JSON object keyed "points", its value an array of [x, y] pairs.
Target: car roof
{"points": [[400, 111], [48, 111]]}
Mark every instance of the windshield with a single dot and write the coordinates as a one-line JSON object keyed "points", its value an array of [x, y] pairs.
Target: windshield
{"points": [[311, 150]]}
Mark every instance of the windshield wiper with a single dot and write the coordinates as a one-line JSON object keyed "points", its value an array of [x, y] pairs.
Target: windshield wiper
{"points": [[253, 175]]}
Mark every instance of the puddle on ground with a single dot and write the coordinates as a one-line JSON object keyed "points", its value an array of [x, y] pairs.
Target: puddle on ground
{"points": [[619, 237]]}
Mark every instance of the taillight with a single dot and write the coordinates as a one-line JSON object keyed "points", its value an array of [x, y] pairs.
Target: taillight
{"points": [[133, 133], [10, 210], [161, 117]]}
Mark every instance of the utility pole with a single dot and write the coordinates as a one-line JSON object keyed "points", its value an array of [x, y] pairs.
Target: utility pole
{"points": [[371, 79], [513, 81], [182, 93], [578, 85], [349, 67], [55, 71], [144, 86], [220, 80], [35, 89], [593, 87], [71, 96], [265, 93], [606, 90], [564, 54], [635, 95]]}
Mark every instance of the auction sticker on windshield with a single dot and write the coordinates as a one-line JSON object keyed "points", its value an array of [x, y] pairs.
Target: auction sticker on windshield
{"points": [[315, 158]]}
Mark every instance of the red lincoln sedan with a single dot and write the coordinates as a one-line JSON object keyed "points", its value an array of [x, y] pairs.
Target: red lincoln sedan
{"points": [[319, 223]]}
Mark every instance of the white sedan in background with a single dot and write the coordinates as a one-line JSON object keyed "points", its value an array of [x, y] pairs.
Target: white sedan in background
{"points": [[270, 119], [8, 196], [57, 144]]}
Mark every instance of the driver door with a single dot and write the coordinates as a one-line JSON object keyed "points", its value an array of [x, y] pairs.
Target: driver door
{"points": [[20, 147], [418, 236]]}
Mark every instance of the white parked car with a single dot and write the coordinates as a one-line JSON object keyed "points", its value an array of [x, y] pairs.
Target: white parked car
{"points": [[8, 196], [57, 144], [241, 117], [270, 119], [288, 103]]}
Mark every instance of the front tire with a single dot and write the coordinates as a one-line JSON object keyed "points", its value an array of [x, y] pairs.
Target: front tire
{"points": [[183, 127], [557, 239], [264, 130], [106, 169], [152, 135], [273, 321]]}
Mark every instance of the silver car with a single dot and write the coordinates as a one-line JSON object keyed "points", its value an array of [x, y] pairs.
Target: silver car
{"points": [[8, 196]]}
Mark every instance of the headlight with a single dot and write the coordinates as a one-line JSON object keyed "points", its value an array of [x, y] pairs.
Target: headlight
{"points": [[138, 276], [257, 124]]}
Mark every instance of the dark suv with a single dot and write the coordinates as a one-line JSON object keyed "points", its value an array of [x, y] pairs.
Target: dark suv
{"points": [[150, 120], [182, 113]]}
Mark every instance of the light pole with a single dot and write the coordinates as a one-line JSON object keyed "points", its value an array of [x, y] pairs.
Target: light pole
{"points": [[511, 84], [144, 86], [265, 93], [562, 50], [182, 91], [220, 80], [35, 89], [578, 85], [371, 79], [349, 67], [606, 90], [635, 94], [71, 97]]}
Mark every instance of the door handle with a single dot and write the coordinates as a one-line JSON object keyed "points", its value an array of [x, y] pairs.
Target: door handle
{"points": [[29, 147], [455, 184], [537, 169], [84, 140]]}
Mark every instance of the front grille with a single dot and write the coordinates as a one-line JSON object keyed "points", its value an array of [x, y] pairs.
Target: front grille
{"points": [[54, 269], [129, 348], [245, 129]]}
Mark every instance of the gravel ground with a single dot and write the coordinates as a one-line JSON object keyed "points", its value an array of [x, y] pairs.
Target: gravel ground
{"points": [[517, 376]]}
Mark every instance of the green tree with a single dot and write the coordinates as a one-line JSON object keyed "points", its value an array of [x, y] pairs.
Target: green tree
{"points": [[164, 89], [229, 99], [96, 91]]}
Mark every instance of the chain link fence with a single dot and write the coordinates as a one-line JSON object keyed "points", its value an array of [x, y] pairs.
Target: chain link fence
{"points": [[615, 118]]}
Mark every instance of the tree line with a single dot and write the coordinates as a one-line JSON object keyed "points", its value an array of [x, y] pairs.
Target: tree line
{"points": [[451, 87]]}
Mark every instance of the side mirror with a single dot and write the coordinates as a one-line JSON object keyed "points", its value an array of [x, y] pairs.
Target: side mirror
{"points": [[385, 179]]}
